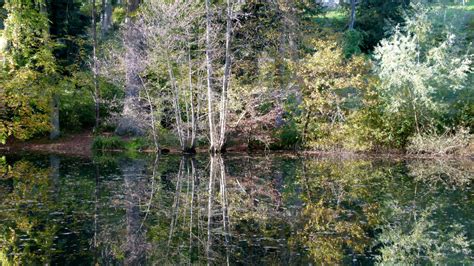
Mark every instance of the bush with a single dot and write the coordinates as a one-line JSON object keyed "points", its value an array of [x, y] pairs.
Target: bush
{"points": [[108, 143], [448, 143], [77, 110], [167, 138], [351, 43], [288, 137], [138, 144]]}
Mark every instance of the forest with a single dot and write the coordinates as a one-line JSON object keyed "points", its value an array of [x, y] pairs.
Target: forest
{"points": [[240, 75], [236, 132]]}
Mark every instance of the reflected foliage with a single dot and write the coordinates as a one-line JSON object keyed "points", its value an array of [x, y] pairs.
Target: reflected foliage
{"points": [[234, 210]]}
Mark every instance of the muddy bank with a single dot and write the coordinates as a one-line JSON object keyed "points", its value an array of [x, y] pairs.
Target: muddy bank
{"points": [[76, 144]]}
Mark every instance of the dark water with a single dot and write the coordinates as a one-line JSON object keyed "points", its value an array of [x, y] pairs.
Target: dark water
{"points": [[234, 210]]}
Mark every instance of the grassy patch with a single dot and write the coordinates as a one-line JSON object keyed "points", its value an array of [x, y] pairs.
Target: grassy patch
{"points": [[336, 18], [102, 143], [138, 144]]}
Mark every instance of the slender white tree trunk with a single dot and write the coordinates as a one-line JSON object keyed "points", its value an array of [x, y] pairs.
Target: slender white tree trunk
{"points": [[177, 109], [210, 95], [94, 66], [226, 78], [152, 116], [192, 141]]}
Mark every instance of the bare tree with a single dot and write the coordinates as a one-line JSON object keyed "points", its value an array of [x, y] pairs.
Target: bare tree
{"points": [[124, 63], [96, 94], [217, 133], [168, 29], [133, 43]]}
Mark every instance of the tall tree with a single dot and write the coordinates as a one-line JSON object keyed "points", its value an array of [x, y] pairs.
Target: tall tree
{"points": [[353, 15], [373, 16], [30, 68], [94, 67], [129, 122], [173, 52], [217, 133], [210, 94], [106, 17]]}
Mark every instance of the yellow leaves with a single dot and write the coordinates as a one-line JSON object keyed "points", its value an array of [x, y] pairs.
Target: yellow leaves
{"points": [[25, 104], [327, 69], [328, 232], [332, 87]]}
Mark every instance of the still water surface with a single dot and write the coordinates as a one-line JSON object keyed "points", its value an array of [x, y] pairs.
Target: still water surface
{"points": [[234, 210]]}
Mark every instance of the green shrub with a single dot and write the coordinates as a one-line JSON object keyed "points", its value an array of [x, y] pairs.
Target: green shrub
{"points": [[138, 144], [108, 143], [76, 109], [287, 137], [168, 139], [351, 43]]}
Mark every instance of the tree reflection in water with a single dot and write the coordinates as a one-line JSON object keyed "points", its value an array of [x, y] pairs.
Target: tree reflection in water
{"points": [[234, 210], [198, 219], [389, 212]]}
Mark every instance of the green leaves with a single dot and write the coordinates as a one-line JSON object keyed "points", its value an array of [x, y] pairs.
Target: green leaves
{"points": [[27, 32], [415, 66]]}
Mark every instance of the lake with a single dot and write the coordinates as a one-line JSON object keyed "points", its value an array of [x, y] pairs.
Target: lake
{"points": [[236, 209]]}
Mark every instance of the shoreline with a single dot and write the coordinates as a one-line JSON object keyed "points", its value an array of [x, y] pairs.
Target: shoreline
{"points": [[81, 145]]}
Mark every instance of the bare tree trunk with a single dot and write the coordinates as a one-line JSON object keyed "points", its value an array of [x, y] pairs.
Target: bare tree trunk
{"points": [[177, 109], [152, 117], [217, 134], [192, 143], [209, 80], [226, 78], [94, 71], [353, 15]]}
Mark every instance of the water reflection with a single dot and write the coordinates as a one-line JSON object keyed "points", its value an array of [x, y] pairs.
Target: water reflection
{"points": [[234, 210]]}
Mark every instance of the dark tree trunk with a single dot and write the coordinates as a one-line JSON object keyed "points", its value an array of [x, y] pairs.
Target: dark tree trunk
{"points": [[106, 21], [353, 15], [55, 132]]}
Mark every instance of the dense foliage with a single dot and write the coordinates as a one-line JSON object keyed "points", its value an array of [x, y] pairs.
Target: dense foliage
{"points": [[264, 75]]}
